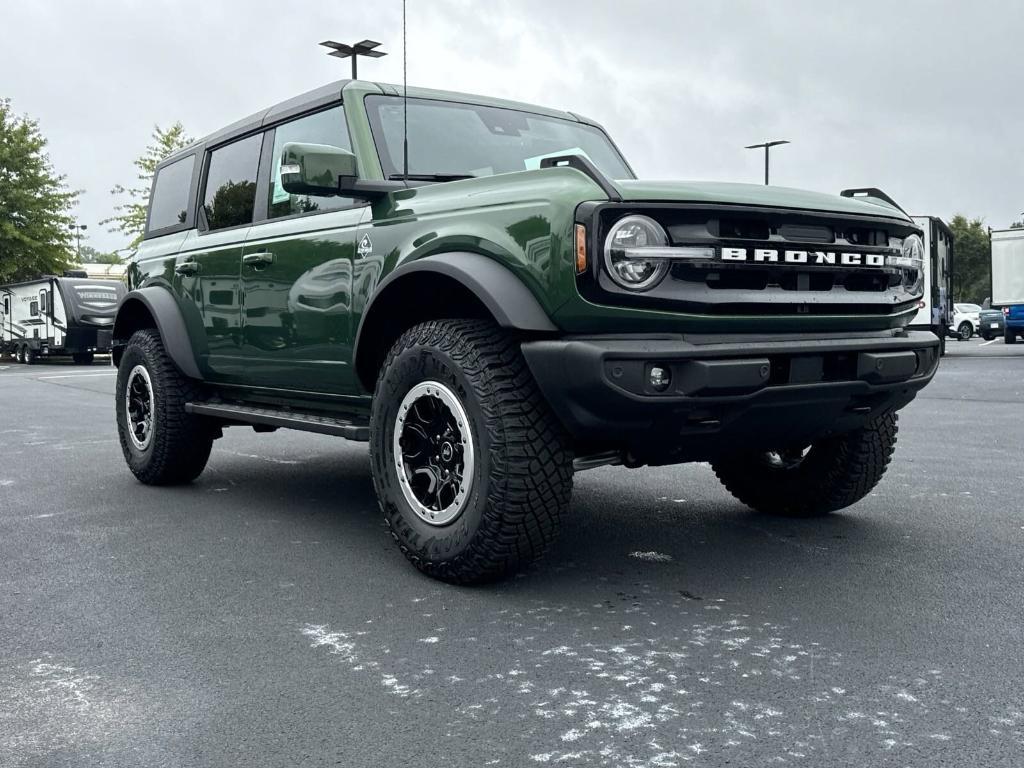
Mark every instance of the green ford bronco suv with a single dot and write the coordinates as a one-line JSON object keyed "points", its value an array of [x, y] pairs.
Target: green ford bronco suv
{"points": [[497, 302]]}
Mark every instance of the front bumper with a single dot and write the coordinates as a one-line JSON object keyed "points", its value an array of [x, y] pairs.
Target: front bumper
{"points": [[726, 392]]}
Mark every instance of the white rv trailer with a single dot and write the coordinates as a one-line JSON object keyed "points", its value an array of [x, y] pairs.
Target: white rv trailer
{"points": [[55, 316], [935, 312]]}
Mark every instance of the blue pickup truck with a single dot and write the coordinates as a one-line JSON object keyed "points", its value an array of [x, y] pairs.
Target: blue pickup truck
{"points": [[1013, 323]]}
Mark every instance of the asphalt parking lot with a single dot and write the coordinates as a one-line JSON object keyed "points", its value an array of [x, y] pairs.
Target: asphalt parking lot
{"points": [[263, 617]]}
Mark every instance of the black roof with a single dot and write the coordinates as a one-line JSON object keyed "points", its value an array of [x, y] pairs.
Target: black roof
{"points": [[296, 105]]}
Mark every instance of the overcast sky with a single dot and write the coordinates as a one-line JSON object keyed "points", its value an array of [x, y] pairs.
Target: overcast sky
{"points": [[921, 99]]}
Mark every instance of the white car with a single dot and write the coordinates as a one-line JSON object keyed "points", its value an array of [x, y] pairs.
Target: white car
{"points": [[966, 321]]}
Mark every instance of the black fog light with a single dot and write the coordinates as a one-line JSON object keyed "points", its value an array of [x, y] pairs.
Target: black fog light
{"points": [[660, 377]]}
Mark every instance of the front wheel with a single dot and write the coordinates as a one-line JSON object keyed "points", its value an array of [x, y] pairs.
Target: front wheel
{"points": [[965, 331], [815, 480], [472, 469], [1009, 336], [161, 442]]}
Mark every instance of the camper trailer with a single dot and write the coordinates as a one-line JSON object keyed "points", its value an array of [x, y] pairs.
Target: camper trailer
{"points": [[935, 311], [58, 316]]}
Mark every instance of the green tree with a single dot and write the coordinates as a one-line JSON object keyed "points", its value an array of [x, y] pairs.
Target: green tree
{"points": [[130, 215], [972, 259], [92, 256], [35, 203]]}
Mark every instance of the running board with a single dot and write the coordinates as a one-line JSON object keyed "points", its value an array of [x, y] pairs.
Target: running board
{"points": [[275, 417]]}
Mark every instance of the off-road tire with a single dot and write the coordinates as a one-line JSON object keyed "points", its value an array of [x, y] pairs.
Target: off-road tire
{"points": [[83, 358], [836, 472], [181, 443], [522, 479], [1009, 336], [964, 331]]}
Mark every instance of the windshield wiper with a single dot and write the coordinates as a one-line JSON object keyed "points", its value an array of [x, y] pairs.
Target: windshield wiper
{"points": [[430, 176]]}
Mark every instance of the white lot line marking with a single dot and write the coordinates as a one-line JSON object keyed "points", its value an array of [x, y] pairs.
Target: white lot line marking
{"points": [[990, 342], [76, 375]]}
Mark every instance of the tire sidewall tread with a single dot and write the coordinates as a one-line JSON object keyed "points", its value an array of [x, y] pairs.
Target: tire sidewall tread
{"points": [[523, 476]]}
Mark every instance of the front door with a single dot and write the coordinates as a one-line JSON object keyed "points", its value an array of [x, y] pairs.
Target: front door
{"points": [[209, 263], [297, 274]]}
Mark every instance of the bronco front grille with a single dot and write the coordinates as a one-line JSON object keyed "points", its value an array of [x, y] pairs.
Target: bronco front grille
{"points": [[714, 287]]}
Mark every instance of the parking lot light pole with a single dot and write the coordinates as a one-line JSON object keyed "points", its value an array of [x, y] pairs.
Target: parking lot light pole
{"points": [[767, 145], [362, 48], [78, 229]]}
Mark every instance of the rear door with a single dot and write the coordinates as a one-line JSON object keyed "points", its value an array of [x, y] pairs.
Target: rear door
{"points": [[297, 272], [209, 263]]}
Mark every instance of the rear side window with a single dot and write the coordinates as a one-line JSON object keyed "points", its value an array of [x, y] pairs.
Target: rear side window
{"points": [[168, 205], [231, 183], [327, 127]]}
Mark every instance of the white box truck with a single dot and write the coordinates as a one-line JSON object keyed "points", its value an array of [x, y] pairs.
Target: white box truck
{"points": [[1008, 280], [57, 316]]}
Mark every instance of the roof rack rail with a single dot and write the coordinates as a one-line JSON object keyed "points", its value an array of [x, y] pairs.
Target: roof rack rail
{"points": [[872, 192]]}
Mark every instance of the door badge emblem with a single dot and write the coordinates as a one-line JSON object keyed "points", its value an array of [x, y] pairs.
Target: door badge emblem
{"points": [[365, 247]]}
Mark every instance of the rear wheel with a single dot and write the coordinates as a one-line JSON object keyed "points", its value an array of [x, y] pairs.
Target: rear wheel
{"points": [[471, 467], [965, 331], [162, 444], [1009, 336], [986, 336], [814, 480], [28, 355], [83, 358], [19, 354]]}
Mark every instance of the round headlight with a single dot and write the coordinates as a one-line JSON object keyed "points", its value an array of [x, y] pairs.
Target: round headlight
{"points": [[623, 252], [913, 248]]}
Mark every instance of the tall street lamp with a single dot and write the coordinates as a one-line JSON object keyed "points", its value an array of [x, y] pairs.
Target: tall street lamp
{"points": [[767, 145], [78, 229], [362, 48]]}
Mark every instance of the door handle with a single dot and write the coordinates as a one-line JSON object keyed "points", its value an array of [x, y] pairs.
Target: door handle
{"points": [[186, 268], [257, 260]]}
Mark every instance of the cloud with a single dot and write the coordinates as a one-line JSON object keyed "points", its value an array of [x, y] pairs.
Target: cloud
{"points": [[917, 98]]}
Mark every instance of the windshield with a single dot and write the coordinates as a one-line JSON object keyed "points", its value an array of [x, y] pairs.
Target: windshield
{"points": [[455, 139]]}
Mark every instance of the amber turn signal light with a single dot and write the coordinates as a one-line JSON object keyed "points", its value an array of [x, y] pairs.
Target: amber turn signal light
{"points": [[581, 249]]}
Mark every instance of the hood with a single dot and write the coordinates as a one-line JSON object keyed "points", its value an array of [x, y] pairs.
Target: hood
{"points": [[750, 194]]}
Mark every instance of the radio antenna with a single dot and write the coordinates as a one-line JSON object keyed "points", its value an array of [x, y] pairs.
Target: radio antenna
{"points": [[405, 105]]}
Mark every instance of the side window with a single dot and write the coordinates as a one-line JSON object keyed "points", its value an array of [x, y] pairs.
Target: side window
{"points": [[42, 302], [33, 308], [7, 305], [231, 183], [327, 127], [168, 205]]}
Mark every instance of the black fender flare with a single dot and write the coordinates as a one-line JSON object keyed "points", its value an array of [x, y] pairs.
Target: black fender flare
{"points": [[162, 307], [504, 295]]}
